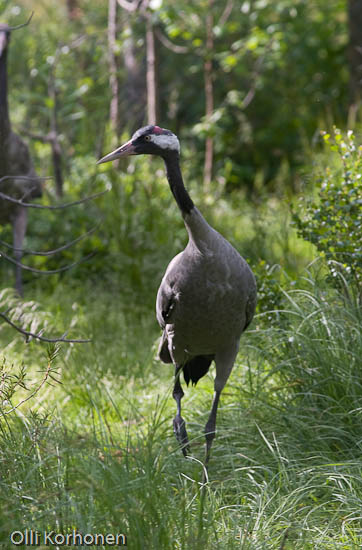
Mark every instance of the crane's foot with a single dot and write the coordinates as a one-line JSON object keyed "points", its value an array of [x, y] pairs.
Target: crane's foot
{"points": [[179, 429]]}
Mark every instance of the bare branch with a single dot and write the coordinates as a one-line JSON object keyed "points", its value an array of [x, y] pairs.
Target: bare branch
{"points": [[39, 336], [50, 252], [73, 44], [41, 206], [23, 24], [44, 138], [44, 271], [226, 13], [77, 41], [151, 77], [209, 93], [250, 95], [130, 6], [30, 178], [255, 75], [170, 45], [113, 67]]}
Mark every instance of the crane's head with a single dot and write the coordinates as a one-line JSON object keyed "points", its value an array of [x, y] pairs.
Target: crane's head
{"points": [[150, 140], [4, 37]]}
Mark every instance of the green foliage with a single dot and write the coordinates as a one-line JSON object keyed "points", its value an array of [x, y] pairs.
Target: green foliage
{"points": [[333, 222], [316, 354], [97, 452], [17, 387], [285, 460], [270, 295], [274, 86]]}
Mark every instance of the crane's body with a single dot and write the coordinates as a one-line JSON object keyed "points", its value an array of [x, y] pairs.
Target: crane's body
{"points": [[204, 301], [207, 296], [15, 161]]}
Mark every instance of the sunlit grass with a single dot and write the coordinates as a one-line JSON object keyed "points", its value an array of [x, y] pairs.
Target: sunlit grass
{"points": [[98, 453]]}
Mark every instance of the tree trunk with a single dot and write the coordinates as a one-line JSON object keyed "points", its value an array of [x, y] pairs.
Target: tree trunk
{"points": [[57, 166], [113, 79], [151, 73], [73, 9], [355, 53], [5, 127], [134, 99], [52, 137], [209, 94]]}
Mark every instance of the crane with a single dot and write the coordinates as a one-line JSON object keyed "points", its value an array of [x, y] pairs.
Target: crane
{"points": [[207, 296], [14, 161]]}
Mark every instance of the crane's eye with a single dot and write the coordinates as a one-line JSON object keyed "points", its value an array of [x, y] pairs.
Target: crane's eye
{"points": [[147, 138]]}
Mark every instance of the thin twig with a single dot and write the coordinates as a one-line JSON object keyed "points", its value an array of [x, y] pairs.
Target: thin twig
{"points": [[226, 13], [39, 336], [170, 45], [44, 138], [31, 178], [22, 24], [50, 252], [46, 207], [44, 271], [46, 375], [255, 75], [130, 6]]}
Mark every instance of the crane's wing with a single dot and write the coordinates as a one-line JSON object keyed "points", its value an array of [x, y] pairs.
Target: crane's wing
{"points": [[167, 294], [163, 351], [250, 308], [165, 305]]}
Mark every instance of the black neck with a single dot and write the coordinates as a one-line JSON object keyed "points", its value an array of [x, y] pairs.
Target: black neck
{"points": [[174, 176]]}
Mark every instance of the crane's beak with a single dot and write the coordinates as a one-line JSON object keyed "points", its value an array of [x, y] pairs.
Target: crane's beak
{"points": [[123, 151]]}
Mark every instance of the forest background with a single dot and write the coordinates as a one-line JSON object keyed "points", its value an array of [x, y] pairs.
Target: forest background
{"points": [[266, 100]]}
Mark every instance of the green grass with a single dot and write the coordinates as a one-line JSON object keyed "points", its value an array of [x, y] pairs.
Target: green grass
{"points": [[97, 452]]}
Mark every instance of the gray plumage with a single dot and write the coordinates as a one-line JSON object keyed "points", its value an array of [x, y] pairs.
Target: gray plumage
{"points": [[207, 296], [15, 161]]}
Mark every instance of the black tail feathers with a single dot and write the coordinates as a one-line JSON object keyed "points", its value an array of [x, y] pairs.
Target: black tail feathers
{"points": [[196, 368]]}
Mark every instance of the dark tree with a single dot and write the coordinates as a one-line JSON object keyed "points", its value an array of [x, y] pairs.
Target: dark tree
{"points": [[141, 8], [134, 89]]}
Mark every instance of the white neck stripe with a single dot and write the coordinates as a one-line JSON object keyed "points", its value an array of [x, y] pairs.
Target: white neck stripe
{"points": [[166, 141]]}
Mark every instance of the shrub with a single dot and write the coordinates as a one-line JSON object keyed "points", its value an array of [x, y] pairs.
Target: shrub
{"points": [[333, 222]]}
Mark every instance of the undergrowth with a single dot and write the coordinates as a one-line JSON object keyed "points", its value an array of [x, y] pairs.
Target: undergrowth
{"points": [[97, 452]]}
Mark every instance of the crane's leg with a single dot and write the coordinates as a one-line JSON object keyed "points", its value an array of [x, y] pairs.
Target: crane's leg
{"points": [[178, 422], [19, 230], [211, 426], [224, 363]]}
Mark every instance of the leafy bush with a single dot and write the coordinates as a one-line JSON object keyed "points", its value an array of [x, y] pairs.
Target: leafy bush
{"points": [[333, 222], [270, 294]]}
